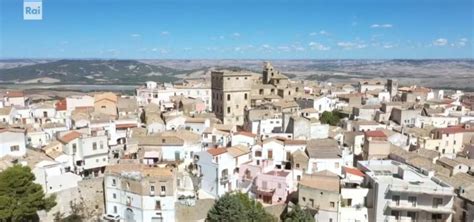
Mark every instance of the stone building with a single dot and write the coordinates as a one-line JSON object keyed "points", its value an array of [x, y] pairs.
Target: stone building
{"points": [[230, 95]]}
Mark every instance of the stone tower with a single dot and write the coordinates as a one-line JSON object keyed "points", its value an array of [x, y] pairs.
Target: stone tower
{"points": [[392, 87], [230, 95]]}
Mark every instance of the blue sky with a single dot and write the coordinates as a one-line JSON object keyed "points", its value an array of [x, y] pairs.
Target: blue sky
{"points": [[250, 29]]}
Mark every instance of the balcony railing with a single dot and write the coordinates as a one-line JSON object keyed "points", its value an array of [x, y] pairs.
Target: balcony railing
{"points": [[420, 189], [224, 179], [439, 209]]}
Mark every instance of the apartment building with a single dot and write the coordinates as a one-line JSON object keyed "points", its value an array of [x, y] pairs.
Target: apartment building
{"points": [[402, 193], [88, 151], [138, 192]]}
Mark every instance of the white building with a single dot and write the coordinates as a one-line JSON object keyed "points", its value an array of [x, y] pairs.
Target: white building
{"points": [[89, 152], [161, 95], [217, 167], [403, 193], [140, 193], [53, 177], [12, 142]]}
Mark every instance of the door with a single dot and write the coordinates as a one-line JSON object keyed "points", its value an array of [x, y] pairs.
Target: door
{"points": [[129, 215]]}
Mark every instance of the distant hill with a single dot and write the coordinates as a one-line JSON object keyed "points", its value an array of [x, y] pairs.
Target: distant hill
{"points": [[89, 72]]}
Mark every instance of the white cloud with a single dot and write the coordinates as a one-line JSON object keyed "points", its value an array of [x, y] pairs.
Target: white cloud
{"points": [[318, 46], [381, 26], [462, 42], [135, 35], [236, 35], [164, 33], [323, 32], [440, 42], [388, 46], [351, 45]]}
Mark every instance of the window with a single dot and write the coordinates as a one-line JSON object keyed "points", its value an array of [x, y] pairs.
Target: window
{"points": [[332, 204], [158, 205], [437, 202], [228, 109], [312, 202], [436, 216], [101, 144], [412, 200], [270, 154], [304, 199], [297, 166], [115, 209], [14, 148], [396, 199], [152, 188], [94, 146], [411, 215], [258, 153], [163, 189], [103, 107], [228, 97], [245, 96], [114, 196], [74, 148]]}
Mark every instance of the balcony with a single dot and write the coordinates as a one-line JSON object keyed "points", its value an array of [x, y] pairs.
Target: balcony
{"points": [[162, 193], [445, 191], [435, 209], [224, 179]]}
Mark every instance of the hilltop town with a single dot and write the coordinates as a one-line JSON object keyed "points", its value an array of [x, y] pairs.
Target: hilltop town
{"points": [[372, 151]]}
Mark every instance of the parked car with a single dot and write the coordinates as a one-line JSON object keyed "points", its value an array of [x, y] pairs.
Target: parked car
{"points": [[111, 217]]}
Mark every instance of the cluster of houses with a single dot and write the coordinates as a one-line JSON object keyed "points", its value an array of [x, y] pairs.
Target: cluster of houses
{"points": [[397, 153]]}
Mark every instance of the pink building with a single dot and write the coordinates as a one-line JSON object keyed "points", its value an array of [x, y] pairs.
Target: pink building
{"points": [[273, 186]]}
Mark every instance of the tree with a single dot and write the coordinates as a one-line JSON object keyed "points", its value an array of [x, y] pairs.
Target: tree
{"points": [[331, 118], [20, 197], [238, 207], [297, 214]]}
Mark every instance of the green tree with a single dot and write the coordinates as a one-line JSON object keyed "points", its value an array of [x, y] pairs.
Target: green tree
{"points": [[20, 197], [238, 207], [331, 118], [298, 215]]}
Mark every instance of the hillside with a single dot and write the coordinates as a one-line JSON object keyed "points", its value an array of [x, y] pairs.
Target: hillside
{"points": [[89, 72]]}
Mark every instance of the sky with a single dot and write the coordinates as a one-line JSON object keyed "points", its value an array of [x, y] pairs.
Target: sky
{"points": [[246, 29]]}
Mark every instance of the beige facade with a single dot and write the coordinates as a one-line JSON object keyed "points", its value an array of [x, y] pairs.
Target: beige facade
{"points": [[230, 95], [106, 103]]}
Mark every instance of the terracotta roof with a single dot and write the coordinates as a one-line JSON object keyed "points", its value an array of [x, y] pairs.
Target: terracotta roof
{"points": [[295, 142], [451, 130], [13, 130], [245, 133], [323, 180], [376, 133], [125, 126], [353, 171], [70, 137], [61, 105], [15, 94], [217, 151], [144, 170]]}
